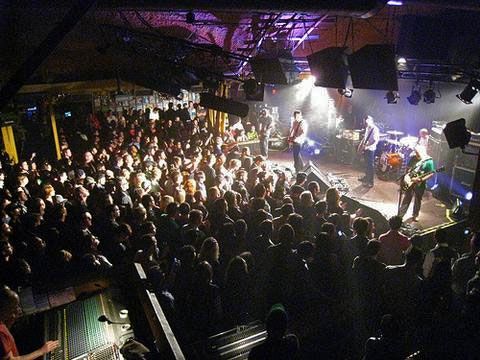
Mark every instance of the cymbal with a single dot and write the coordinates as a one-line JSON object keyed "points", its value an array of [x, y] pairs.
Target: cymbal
{"points": [[395, 133], [394, 142], [409, 141]]}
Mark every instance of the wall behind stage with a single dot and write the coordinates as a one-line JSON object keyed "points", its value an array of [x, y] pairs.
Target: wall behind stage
{"points": [[410, 118], [314, 103]]}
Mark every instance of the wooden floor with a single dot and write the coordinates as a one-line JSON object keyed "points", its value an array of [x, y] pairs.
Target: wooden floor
{"points": [[382, 197]]}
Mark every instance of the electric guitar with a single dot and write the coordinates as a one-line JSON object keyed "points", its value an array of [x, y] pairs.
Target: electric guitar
{"points": [[410, 180]]}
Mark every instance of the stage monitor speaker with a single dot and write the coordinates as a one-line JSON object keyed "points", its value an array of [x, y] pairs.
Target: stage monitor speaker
{"points": [[274, 70], [224, 105], [314, 174], [381, 222], [329, 66], [374, 67]]}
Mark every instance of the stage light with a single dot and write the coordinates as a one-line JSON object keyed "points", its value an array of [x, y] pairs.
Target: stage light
{"points": [[348, 93], [310, 142], [429, 96], [457, 212], [457, 134], [415, 95], [316, 152], [392, 97], [395, 3], [401, 61], [467, 95], [469, 196]]}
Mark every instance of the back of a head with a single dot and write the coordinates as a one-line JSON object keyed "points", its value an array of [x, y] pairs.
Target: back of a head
{"points": [[296, 220], [265, 228], [296, 190], [187, 255], [241, 227], [373, 247], [306, 198], [360, 226], [257, 204], [8, 303], [237, 271], [184, 209], [277, 322], [389, 327], [286, 209], [321, 207], [305, 249], [286, 235], [171, 209], [395, 222], [414, 256], [203, 274]]}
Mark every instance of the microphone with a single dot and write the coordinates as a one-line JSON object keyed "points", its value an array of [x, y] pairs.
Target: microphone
{"points": [[104, 318]]}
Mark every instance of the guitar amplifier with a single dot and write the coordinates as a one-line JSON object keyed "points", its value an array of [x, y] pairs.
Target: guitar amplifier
{"points": [[465, 160], [441, 154], [346, 150], [462, 180]]}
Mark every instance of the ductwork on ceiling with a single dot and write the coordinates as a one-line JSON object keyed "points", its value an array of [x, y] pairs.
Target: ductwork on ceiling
{"points": [[354, 8]]}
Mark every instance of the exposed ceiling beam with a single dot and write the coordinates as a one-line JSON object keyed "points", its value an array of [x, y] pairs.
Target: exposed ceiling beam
{"points": [[46, 47], [308, 32]]}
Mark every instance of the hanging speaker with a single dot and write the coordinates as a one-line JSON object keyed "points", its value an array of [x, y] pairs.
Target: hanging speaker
{"points": [[274, 70], [329, 66], [374, 67], [224, 105]]}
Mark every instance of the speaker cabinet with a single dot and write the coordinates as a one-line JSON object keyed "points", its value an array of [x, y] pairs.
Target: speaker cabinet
{"points": [[224, 105], [374, 67]]}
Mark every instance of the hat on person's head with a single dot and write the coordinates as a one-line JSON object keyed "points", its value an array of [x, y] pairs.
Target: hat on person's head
{"points": [[80, 173], [89, 180], [59, 199]]}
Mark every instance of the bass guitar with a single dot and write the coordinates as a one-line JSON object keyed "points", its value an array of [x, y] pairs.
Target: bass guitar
{"points": [[409, 180]]}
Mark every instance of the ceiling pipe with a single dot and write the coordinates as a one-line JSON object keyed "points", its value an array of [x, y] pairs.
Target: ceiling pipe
{"points": [[353, 8]]}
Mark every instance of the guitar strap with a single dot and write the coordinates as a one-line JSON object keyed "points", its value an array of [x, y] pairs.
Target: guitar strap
{"points": [[295, 129]]}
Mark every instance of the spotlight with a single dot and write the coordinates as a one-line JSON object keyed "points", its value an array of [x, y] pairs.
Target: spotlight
{"points": [[348, 93], [391, 97], [457, 134], [401, 61], [470, 91], [415, 96], [190, 17], [429, 96], [469, 196]]}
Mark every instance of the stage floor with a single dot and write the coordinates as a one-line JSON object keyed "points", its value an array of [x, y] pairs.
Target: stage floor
{"points": [[382, 197]]}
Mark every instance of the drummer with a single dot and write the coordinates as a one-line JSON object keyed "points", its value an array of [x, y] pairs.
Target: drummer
{"points": [[423, 137]]}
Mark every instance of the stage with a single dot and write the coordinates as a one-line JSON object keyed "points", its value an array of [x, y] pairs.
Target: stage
{"points": [[383, 197]]}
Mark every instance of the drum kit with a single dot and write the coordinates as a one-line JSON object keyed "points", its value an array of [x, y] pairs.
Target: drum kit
{"points": [[394, 152]]}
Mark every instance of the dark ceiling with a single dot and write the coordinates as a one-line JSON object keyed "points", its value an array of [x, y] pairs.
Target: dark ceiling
{"points": [[184, 41]]}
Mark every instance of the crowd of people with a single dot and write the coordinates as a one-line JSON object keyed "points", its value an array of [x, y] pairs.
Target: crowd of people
{"points": [[227, 239]]}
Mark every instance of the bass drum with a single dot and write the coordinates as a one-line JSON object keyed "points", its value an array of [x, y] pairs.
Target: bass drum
{"points": [[389, 165]]}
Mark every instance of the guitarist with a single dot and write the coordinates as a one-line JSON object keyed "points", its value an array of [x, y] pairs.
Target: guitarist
{"points": [[418, 165], [265, 125], [296, 137], [367, 147]]}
